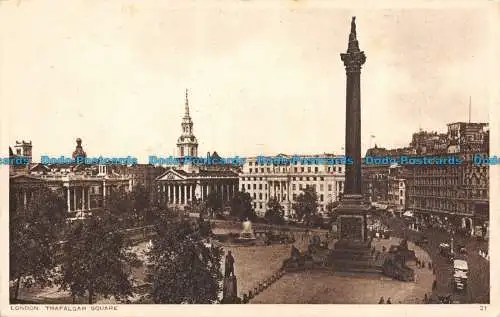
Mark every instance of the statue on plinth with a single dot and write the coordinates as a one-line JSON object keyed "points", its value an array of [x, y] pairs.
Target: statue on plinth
{"points": [[229, 265], [230, 288]]}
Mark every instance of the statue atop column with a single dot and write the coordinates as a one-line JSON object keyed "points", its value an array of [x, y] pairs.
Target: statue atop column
{"points": [[353, 26]]}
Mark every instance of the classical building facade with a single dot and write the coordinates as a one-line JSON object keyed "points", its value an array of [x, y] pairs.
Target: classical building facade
{"points": [[286, 181], [85, 187], [180, 185]]}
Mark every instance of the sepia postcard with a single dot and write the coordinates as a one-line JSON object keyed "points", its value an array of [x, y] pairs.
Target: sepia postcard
{"points": [[220, 153]]}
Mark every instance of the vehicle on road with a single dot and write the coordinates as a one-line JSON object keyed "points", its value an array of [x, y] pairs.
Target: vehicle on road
{"points": [[460, 272]]}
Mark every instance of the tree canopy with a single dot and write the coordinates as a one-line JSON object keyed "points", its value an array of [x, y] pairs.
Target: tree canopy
{"points": [[275, 213], [241, 206], [97, 260], [35, 229], [183, 269], [306, 204]]}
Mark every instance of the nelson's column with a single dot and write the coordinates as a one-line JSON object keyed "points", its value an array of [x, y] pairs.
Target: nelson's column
{"points": [[352, 212]]}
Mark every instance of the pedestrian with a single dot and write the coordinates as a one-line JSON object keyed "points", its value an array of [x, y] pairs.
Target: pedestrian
{"points": [[426, 299], [388, 301], [434, 285], [381, 301], [429, 265], [423, 265]]}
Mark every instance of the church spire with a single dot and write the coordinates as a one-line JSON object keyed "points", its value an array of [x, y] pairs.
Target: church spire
{"points": [[186, 105]]}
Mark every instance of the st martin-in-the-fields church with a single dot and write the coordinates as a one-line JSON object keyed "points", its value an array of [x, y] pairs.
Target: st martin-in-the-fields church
{"points": [[182, 184]]}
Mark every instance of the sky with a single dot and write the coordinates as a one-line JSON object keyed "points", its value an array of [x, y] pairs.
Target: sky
{"points": [[264, 77]]}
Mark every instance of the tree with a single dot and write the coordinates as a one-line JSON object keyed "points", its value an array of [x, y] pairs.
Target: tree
{"points": [[120, 206], [97, 260], [275, 213], [214, 202], [241, 206], [306, 204], [330, 208], [34, 230], [183, 269], [141, 203]]}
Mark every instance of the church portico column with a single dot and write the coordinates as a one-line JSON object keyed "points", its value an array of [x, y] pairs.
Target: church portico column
{"points": [[174, 194], [83, 198], [69, 199], [88, 198], [281, 191], [185, 194], [74, 199]]}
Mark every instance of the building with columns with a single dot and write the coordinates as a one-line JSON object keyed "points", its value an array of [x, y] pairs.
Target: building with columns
{"points": [[182, 184], [85, 187], [286, 181]]}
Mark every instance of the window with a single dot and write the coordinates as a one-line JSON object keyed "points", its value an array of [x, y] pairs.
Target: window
{"points": [[301, 178], [269, 170], [254, 196], [302, 169], [265, 186], [340, 169], [284, 197], [329, 187], [260, 205], [243, 187], [321, 187], [308, 178], [309, 169], [400, 192], [295, 169], [294, 196], [250, 170], [329, 169], [315, 169], [254, 186], [260, 196], [260, 186], [262, 170], [250, 163], [300, 186], [314, 178], [248, 186], [321, 197], [293, 186], [322, 178], [256, 163]]}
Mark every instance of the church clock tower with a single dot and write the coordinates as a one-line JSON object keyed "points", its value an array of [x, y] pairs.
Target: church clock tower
{"points": [[187, 145]]}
